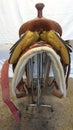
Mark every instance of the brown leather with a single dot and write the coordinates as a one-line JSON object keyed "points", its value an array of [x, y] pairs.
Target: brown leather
{"points": [[40, 23]]}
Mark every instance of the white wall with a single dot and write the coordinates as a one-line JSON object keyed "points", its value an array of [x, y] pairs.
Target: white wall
{"points": [[13, 13]]}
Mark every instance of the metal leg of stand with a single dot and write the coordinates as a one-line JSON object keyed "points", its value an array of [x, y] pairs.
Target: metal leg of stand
{"points": [[38, 80], [37, 104], [32, 80]]}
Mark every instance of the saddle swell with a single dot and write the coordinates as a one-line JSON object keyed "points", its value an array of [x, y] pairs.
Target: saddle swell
{"points": [[40, 23]]}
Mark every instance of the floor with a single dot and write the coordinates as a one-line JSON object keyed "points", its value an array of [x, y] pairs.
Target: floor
{"points": [[61, 118]]}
